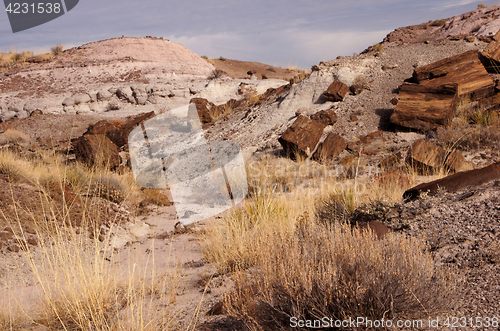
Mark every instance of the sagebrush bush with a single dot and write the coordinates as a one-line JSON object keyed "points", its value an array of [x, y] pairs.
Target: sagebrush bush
{"points": [[438, 23], [339, 272]]}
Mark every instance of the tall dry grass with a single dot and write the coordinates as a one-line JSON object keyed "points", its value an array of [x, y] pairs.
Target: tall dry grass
{"points": [[84, 289], [80, 286], [47, 167]]}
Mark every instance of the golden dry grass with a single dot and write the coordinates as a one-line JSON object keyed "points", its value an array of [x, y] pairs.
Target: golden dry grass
{"points": [[14, 136], [80, 285], [11, 315], [18, 59], [474, 126], [46, 167], [83, 289]]}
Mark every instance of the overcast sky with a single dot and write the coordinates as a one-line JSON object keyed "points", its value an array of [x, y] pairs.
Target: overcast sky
{"points": [[277, 32]]}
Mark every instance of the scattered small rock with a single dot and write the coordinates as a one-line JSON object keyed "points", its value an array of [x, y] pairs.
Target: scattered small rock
{"points": [[325, 117]]}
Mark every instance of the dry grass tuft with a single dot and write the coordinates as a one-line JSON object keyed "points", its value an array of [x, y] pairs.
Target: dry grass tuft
{"points": [[438, 23], [151, 196], [390, 185], [270, 175], [16, 168], [217, 73], [56, 49], [11, 136], [211, 61], [475, 126], [11, 316], [336, 207], [83, 289], [360, 83], [107, 186], [18, 59], [301, 75], [232, 245], [485, 118]]}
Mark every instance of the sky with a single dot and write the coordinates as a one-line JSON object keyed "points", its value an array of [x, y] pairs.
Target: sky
{"points": [[286, 33]]}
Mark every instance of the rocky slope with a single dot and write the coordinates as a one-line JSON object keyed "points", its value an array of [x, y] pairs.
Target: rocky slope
{"points": [[259, 127], [482, 23]]}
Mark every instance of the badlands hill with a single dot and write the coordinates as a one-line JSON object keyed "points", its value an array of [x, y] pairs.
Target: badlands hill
{"points": [[113, 79]]}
